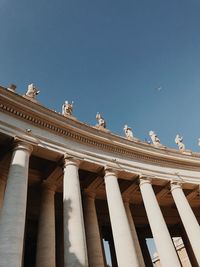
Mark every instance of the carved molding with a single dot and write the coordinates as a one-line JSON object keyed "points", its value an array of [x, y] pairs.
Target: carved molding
{"points": [[71, 160], [105, 145]]}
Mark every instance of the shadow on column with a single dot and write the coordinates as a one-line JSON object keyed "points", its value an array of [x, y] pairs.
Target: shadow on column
{"points": [[31, 227], [72, 260], [59, 230], [188, 247], [30, 244]]}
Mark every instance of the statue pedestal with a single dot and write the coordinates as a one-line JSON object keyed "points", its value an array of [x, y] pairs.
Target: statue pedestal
{"points": [[31, 99], [11, 90], [132, 139], [101, 128], [186, 152], [70, 117], [159, 146]]}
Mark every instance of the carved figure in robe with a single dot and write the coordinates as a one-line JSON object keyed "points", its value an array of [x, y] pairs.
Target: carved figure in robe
{"points": [[12, 88], [128, 132], [32, 91], [179, 142], [154, 138], [67, 108], [101, 121]]}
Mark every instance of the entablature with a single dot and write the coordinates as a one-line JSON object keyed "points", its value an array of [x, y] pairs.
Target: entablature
{"points": [[53, 135]]}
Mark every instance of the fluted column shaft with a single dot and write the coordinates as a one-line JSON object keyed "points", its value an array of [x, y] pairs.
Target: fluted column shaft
{"points": [[124, 245], [188, 218], [12, 218], [94, 243], [134, 235], [164, 245], [45, 255], [75, 250]]}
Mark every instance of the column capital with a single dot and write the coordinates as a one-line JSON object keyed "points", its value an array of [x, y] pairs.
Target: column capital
{"points": [[70, 160], [22, 145], [126, 201], [110, 171], [175, 184], [48, 187], [144, 179], [89, 194]]}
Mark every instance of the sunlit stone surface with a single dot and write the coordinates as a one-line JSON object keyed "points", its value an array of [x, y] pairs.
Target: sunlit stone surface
{"points": [[66, 186]]}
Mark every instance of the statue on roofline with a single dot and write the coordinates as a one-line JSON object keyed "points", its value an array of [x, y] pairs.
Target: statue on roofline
{"points": [[198, 141], [128, 132], [32, 91], [101, 121], [12, 87], [179, 142], [67, 108], [154, 138]]}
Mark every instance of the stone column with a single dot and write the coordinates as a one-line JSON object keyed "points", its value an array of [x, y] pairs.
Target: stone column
{"points": [[187, 217], [188, 247], [124, 245], [162, 238], [2, 190], [45, 255], [75, 250], [12, 218], [94, 243], [134, 234]]}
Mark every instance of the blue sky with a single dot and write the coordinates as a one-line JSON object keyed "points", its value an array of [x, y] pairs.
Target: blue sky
{"points": [[109, 56]]}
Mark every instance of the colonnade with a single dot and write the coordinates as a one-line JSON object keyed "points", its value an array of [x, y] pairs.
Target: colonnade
{"points": [[82, 239]]}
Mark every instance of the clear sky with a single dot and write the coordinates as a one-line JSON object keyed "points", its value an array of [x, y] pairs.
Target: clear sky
{"points": [[134, 61]]}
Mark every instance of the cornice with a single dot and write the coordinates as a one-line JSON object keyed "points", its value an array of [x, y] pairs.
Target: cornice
{"points": [[17, 106]]}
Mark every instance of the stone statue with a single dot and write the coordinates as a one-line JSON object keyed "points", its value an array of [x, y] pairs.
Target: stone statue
{"points": [[101, 121], [128, 132], [198, 141], [179, 142], [154, 138], [67, 108], [12, 88], [32, 91]]}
